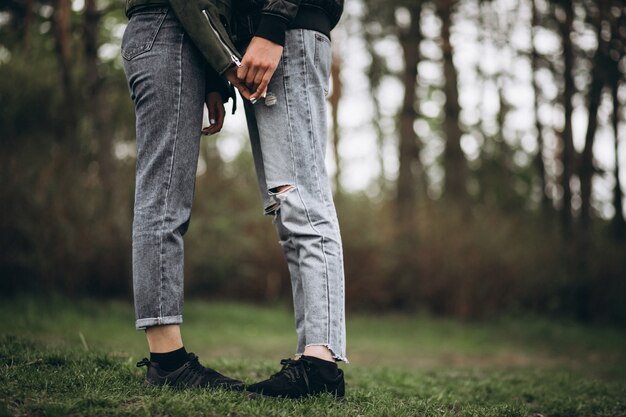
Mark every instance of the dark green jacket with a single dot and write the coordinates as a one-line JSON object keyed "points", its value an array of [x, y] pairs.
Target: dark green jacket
{"points": [[206, 23]]}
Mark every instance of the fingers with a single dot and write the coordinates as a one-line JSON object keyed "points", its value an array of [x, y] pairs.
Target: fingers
{"points": [[242, 71], [255, 75], [261, 90], [208, 131], [246, 74], [211, 107], [216, 113], [258, 65], [219, 118], [252, 74], [232, 77], [243, 90], [260, 75]]}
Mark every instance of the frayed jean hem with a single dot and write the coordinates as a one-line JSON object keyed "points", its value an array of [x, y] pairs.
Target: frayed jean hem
{"points": [[337, 357]]}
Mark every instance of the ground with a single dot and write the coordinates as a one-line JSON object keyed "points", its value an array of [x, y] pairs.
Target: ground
{"points": [[78, 358]]}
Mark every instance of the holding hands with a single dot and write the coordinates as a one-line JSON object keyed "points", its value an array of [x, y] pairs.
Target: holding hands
{"points": [[258, 66], [251, 78]]}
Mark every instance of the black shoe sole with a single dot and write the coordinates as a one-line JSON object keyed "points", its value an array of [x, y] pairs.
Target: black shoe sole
{"points": [[148, 384], [257, 395]]}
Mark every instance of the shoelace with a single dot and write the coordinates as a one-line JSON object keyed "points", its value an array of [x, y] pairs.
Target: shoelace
{"points": [[193, 374], [293, 370], [194, 361], [195, 364]]}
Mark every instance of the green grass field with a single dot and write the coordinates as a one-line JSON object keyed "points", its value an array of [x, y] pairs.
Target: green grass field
{"points": [[64, 358]]}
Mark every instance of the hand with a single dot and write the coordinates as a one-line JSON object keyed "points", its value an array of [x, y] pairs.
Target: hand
{"points": [[258, 65], [231, 76], [216, 113]]}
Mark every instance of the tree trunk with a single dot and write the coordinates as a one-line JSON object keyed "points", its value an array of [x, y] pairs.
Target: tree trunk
{"points": [[539, 163], [98, 110], [405, 272], [374, 75], [454, 160], [598, 80], [618, 222], [61, 23], [406, 198], [615, 76], [28, 20], [567, 157], [380, 144]]}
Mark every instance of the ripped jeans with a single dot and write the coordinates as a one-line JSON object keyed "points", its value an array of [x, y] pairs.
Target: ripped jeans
{"points": [[288, 143]]}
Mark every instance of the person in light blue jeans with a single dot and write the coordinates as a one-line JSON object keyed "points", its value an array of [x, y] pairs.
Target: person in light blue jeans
{"points": [[288, 141], [288, 74]]}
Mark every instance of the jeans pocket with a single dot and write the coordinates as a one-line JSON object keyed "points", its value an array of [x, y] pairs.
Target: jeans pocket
{"points": [[141, 31], [323, 58]]}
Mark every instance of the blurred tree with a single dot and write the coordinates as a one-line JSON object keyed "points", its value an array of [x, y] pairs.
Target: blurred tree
{"points": [[61, 25], [600, 64], [401, 20], [454, 159], [409, 170], [616, 53], [618, 222], [372, 31], [564, 13], [536, 62], [497, 173]]}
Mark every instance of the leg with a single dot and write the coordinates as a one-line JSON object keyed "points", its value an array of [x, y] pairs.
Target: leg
{"points": [[164, 338], [166, 76], [167, 85], [289, 249], [292, 143]]}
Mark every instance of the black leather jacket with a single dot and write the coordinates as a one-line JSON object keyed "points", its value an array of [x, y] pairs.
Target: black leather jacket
{"points": [[207, 22]]}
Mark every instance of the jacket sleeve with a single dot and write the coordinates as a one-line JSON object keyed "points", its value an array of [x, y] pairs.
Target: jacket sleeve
{"points": [[201, 20], [275, 17], [217, 83]]}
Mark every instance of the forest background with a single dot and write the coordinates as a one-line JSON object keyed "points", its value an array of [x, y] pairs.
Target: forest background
{"points": [[474, 150]]}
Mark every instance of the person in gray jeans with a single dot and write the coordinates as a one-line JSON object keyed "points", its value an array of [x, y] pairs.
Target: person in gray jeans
{"points": [[170, 80]]}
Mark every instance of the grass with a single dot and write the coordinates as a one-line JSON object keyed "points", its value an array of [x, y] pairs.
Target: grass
{"points": [[77, 358]]}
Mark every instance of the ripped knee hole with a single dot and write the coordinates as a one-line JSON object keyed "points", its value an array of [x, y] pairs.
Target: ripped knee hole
{"points": [[277, 195]]}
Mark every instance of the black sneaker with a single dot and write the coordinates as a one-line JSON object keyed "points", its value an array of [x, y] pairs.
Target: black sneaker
{"points": [[190, 375], [302, 378]]}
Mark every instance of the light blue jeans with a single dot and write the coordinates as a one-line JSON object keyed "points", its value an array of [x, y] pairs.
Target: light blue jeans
{"points": [[289, 145]]}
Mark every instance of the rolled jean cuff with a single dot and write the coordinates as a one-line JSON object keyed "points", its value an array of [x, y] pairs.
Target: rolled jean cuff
{"points": [[142, 324]]}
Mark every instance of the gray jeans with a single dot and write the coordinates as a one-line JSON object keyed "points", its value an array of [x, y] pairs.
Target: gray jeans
{"points": [[289, 145], [166, 76]]}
